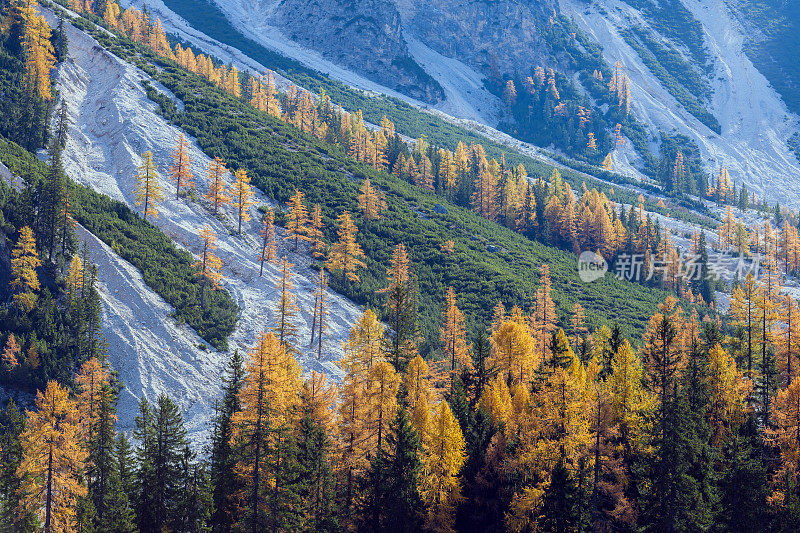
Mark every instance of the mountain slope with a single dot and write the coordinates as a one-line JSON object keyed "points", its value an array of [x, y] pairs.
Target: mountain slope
{"points": [[112, 122], [755, 123]]}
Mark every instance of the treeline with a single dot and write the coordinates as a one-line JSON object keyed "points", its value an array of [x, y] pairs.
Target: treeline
{"points": [[523, 426]]}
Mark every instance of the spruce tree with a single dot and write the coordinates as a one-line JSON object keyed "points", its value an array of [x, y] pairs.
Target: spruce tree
{"points": [[224, 480], [317, 486], [743, 483], [560, 502], [392, 501], [162, 440]]}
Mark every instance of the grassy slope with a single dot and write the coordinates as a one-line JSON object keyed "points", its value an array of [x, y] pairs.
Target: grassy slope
{"points": [[279, 158]]}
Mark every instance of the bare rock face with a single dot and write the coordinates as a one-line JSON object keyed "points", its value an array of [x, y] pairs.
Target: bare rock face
{"points": [[363, 35], [493, 36]]}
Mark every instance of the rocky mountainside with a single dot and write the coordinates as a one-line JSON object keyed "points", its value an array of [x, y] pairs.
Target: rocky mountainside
{"points": [[493, 37], [365, 35], [698, 72]]}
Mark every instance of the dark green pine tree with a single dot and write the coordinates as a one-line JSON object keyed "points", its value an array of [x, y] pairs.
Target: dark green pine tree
{"points": [[610, 351], [743, 484], [162, 440], [226, 484], [402, 332], [12, 423], [560, 502], [286, 496], [126, 467], [195, 499], [681, 490], [60, 41], [111, 506], [101, 445], [392, 502], [744, 197], [476, 380], [62, 127], [315, 477], [53, 194]]}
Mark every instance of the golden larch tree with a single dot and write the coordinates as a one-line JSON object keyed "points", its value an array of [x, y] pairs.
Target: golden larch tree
{"points": [[181, 171], [370, 201], [148, 191], [75, 277], [242, 196], [269, 246], [513, 351], [631, 402], [286, 309], [442, 461], [544, 319], [39, 54], [24, 262], [209, 266], [361, 352], [382, 400], [346, 254], [216, 184], [316, 234], [728, 393], [297, 222], [784, 434], [420, 393], [789, 338], [53, 460], [269, 397], [454, 334], [11, 352], [89, 382]]}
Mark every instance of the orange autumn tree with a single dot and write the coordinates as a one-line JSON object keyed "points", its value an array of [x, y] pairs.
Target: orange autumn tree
{"points": [[269, 248], [242, 195], [297, 221], [24, 262], [269, 398], [148, 191], [453, 334], [784, 434], [315, 233], [39, 53], [53, 460], [444, 456], [181, 171], [361, 352], [210, 266], [346, 255], [370, 201], [420, 393], [11, 351], [513, 352], [286, 310], [89, 381], [216, 184]]}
